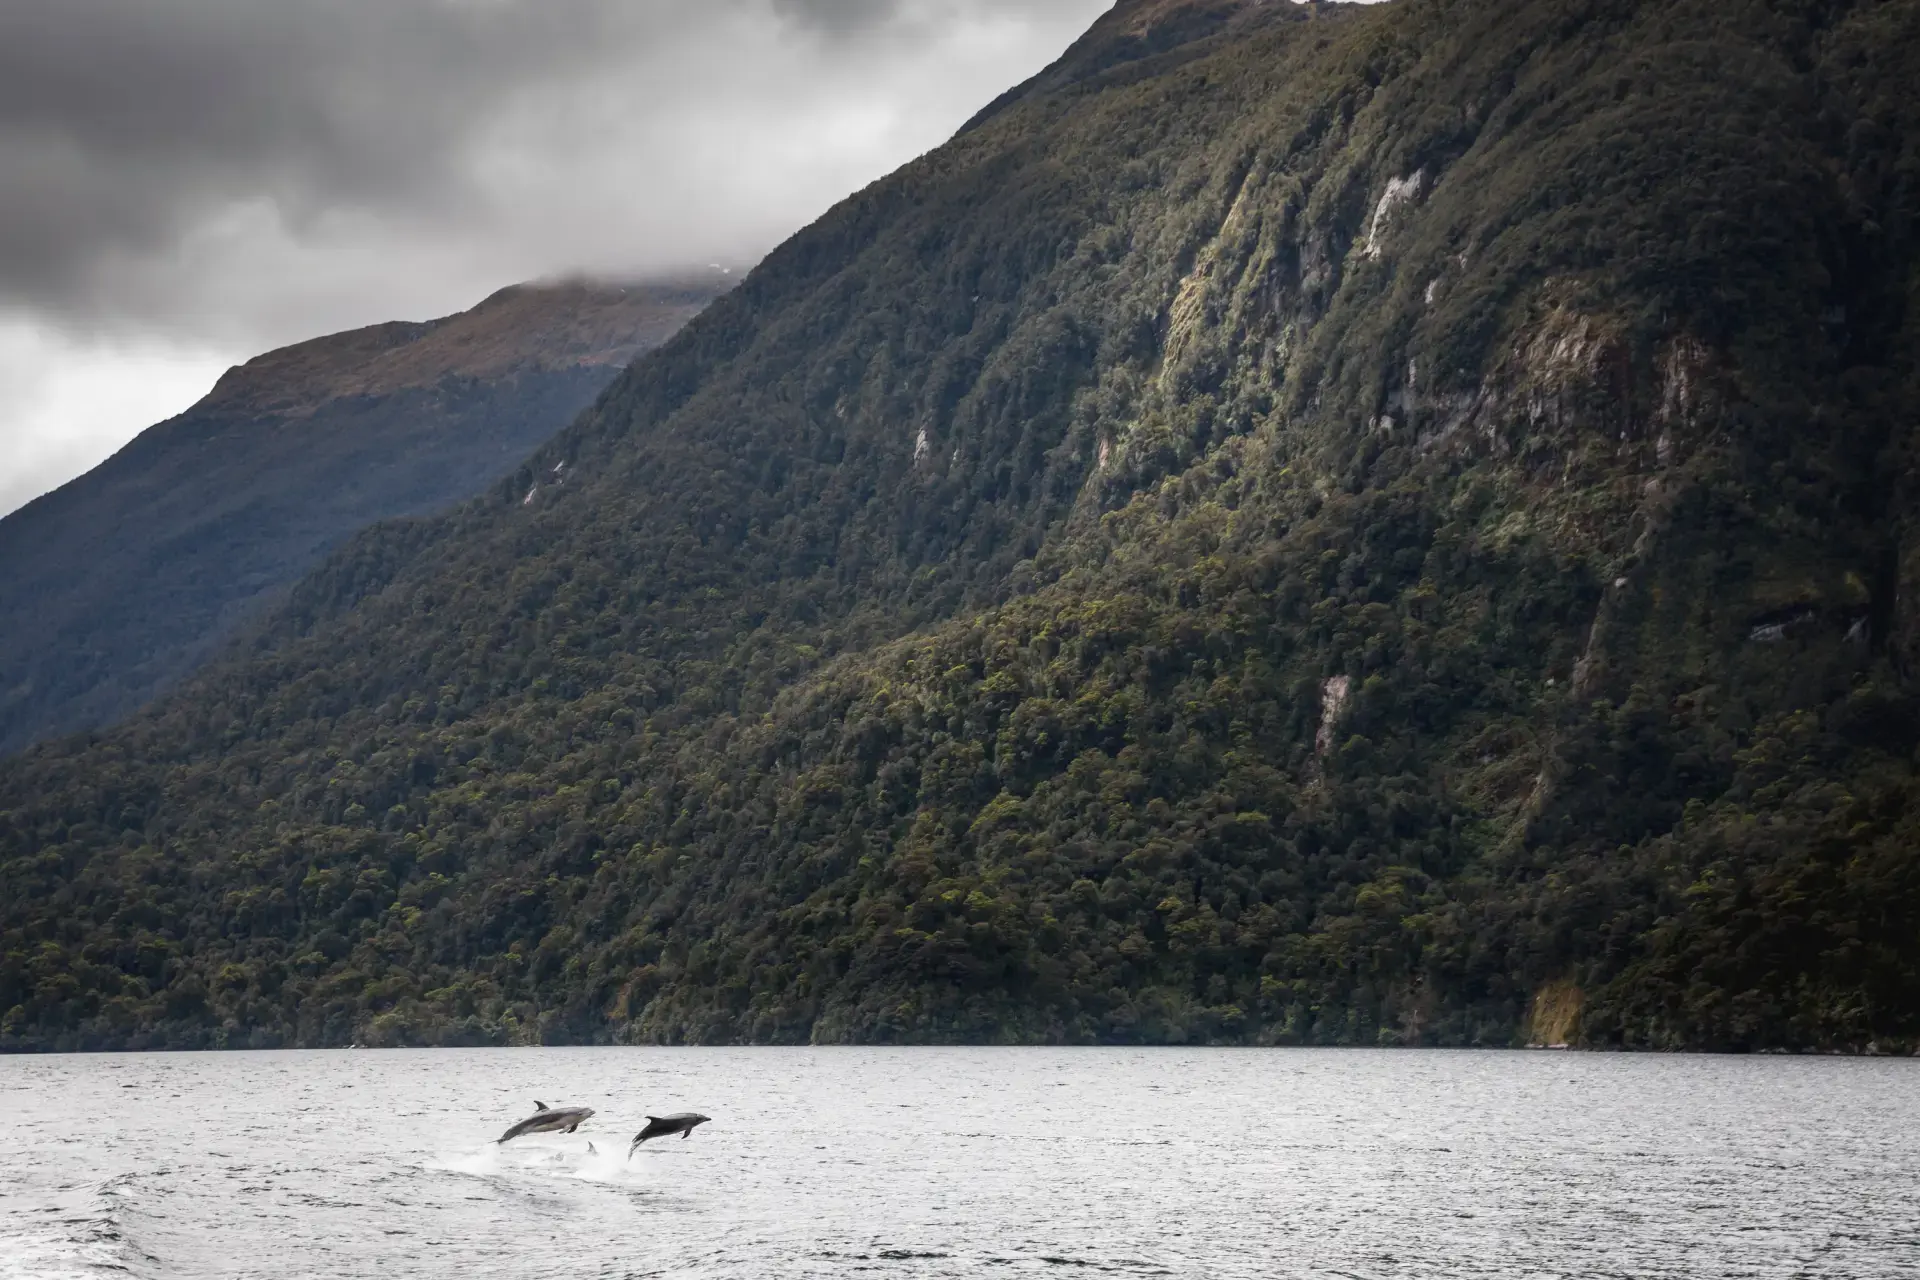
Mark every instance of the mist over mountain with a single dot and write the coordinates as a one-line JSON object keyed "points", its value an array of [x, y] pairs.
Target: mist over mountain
{"points": [[1302, 524], [123, 580]]}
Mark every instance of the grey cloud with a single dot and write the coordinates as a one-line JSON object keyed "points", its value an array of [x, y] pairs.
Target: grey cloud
{"points": [[120, 121], [250, 163], [837, 16]]}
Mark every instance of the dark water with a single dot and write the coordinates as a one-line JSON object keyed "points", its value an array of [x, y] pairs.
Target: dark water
{"points": [[975, 1162]]}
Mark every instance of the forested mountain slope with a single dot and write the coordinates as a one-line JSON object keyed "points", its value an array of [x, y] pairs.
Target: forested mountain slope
{"points": [[1375, 524], [120, 582]]}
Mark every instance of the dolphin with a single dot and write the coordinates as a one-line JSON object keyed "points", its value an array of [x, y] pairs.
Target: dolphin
{"points": [[680, 1122], [547, 1119]]}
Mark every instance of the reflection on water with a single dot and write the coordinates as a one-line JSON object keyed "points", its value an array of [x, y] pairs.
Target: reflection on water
{"points": [[960, 1162]]}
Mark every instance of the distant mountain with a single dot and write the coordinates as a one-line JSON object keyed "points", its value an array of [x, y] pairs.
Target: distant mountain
{"points": [[1363, 524], [115, 585]]}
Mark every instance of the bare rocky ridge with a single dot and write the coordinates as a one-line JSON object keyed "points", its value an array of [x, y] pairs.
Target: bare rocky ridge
{"points": [[552, 327]]}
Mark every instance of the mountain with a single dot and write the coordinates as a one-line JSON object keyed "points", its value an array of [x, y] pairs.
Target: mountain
{"points": [[115, 585], [1304, 524]]}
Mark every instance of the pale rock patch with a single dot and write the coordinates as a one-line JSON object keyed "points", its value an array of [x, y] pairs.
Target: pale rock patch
{"points": [[1400, 191], [1333, 701]]}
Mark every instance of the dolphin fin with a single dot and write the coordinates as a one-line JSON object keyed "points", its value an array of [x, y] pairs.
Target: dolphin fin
{"points": [[655, 1119], [539, 1105]]}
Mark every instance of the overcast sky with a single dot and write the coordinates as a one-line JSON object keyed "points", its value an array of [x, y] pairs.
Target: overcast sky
{"points": [[188, 183]]}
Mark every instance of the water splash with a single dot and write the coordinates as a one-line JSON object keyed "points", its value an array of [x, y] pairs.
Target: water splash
{"points": [[567, 1158]]}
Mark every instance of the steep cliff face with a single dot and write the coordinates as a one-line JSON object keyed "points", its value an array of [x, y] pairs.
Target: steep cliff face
{"points": [[1302, 524], [119, 583]]}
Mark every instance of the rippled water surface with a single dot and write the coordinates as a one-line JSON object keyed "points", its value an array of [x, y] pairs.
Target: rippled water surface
{"points": [[960, 1162]]}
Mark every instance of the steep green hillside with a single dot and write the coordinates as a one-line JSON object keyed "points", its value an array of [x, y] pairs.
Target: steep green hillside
{"points": [[1364, 525], [119, 583]]}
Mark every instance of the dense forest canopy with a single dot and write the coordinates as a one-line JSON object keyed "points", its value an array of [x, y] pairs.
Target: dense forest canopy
{"points": [[1303, 524]]}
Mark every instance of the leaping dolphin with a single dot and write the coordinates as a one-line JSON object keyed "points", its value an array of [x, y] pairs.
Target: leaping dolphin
{"points": [[547, 1119], [680, 1122]]}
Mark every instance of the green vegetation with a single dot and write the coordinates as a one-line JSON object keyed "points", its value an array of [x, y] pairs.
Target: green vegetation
{"points": [[1316, 533]]}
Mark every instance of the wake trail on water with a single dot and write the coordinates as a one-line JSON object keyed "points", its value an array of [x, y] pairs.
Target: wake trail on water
{"points": [[77, 1233]]}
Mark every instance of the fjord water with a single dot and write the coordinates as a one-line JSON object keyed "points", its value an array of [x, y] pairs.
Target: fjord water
{"points": [[960, 1162]]}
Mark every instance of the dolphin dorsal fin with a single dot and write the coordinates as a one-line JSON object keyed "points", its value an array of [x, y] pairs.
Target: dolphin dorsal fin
{"points": [[653, 1117], [539, 1105]]}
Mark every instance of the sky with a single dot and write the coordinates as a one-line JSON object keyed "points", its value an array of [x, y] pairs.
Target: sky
{"points": [[192, 182]]}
